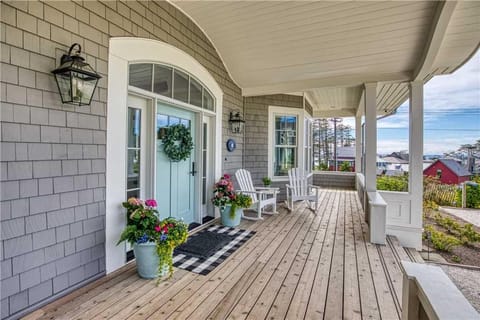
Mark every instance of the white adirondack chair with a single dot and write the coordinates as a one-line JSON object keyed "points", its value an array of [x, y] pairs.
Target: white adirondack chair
{"points": [[299, 189], [261, 197]]}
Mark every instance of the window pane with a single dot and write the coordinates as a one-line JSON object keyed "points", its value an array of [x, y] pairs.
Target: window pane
{"points": [[185, 122], [133, 169], [162, 123], [162, 81], [208, 102], [195, 93], [285, 130], [133, 193], [134, 118], [141, 76], [285, 159], [180, 90], [173, 120]]}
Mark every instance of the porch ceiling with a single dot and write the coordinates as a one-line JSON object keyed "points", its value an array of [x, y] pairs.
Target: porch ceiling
{"points": [[328, 49]]}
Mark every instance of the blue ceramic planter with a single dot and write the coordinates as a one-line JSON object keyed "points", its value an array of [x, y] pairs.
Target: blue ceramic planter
{"points": [[227, 220], [147, 260]]}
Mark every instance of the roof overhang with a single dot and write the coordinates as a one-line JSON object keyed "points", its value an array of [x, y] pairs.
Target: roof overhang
{"points": [[328, 50]]}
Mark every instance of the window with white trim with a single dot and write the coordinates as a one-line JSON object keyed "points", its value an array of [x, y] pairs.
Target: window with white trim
{"points": [[308, 139], [285, 144]]}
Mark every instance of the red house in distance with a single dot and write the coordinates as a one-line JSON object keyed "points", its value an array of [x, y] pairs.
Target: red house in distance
{"points": [[448, 170]]}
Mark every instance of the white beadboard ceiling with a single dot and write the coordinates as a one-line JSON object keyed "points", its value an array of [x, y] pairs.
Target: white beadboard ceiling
{"points": [[328, 49]]}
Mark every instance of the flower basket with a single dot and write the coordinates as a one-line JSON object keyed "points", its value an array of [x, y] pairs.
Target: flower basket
{"points": [[231, 203], [153, 240], [230, 219]]}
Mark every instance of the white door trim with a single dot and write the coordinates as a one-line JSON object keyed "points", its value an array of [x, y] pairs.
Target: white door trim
{"points": [[123, 51]]}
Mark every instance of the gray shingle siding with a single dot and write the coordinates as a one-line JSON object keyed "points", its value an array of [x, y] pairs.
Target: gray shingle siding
{"points": [[53, 155], [256, 134]]}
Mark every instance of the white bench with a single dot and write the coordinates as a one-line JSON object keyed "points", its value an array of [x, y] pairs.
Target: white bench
{"points": [[428, 293]]}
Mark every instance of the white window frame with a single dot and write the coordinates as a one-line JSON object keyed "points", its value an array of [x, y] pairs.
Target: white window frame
{"points": [[280, 111], [308, 134]]}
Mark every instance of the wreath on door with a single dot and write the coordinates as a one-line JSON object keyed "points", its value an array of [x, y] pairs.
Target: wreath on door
{"points": [[177, 142]]}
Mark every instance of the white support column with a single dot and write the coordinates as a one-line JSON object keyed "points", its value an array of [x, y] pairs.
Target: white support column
{"points": [[358, 144], [370, 137], [415, 183]]}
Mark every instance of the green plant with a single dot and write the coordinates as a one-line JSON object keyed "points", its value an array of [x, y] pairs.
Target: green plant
{"points": [[143, 225], [392, 183], [322, 167], [225, 195], [468, 235], [141, 221], [172, 233], [473, 195], [448, 223], [440, 240], [266, 181], [345, 166], [456, 259], [430, 204]]}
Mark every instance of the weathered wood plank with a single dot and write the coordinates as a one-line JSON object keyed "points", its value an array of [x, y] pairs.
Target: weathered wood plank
{"points": [[282, 301], [318, 296], [368, 298], [351, 295], [215, 290], [299, 302]]}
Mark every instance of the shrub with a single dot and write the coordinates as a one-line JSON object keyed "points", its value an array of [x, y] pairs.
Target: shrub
{"points": [[440, 240], [473, 196], [429, 204], [468, 235], [345, 166], [392, 183], [322, 167], [448, 223]]}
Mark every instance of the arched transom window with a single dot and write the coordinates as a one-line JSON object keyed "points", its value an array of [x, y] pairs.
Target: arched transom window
{"points": [[172, 83]]}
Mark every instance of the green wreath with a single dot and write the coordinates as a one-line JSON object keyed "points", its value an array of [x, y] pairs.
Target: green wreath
{"points": [[177, 142]]}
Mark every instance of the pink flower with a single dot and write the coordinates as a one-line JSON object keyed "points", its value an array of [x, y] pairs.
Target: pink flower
{"points": [[226, 176], [158, 228], [151, 203], [134, 201]]}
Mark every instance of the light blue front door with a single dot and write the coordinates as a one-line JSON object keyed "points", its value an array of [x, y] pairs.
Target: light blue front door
{"points": [[175, 181]]}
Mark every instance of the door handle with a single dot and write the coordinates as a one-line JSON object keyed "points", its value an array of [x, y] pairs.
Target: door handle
{"points": [[193, 169]]}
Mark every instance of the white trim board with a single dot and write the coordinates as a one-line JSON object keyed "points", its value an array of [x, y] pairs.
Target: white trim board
{"points": [[123, 51]]}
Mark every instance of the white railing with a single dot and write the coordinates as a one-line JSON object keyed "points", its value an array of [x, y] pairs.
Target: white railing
{"points": [[399, 219], [428, 293]]}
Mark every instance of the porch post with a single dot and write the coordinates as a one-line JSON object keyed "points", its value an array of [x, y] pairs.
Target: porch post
{"points": [[358, 144], [370, 137], [415, 180]]}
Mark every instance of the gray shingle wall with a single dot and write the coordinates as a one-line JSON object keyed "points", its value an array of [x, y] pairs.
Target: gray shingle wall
{"points": [[53, 155], [256, 133]]}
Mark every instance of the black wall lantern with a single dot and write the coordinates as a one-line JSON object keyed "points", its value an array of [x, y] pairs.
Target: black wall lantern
{"points": [[236, 123], [76, 79]]}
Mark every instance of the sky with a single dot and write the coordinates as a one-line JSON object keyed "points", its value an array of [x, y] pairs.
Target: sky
{"points": [[451, 114]]}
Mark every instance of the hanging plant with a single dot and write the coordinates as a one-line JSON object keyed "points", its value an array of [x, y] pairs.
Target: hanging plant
{"points": [[177, 142]]}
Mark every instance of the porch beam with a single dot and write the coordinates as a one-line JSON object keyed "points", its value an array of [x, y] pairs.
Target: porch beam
{"points": [[370, 98], [415, 177], [441, 19], [334, 81], [334, 113]]}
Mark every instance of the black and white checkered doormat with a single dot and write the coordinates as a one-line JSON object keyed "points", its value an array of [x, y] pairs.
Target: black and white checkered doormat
{"points": [[203, 266]]}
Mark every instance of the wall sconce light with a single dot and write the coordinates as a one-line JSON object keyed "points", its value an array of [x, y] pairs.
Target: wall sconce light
{"points": [[75, 78], [236, 122]]}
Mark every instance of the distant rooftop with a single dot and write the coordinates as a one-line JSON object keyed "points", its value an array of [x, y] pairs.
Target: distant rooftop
{"points": [[455, 167]]}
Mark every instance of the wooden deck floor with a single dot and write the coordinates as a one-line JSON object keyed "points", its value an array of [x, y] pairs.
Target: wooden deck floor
{"points": [[299, 265]]}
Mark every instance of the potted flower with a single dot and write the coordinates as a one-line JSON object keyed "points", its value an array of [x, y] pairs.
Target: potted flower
{"points": [[266, 181], [230, 203], [153, 240]]}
